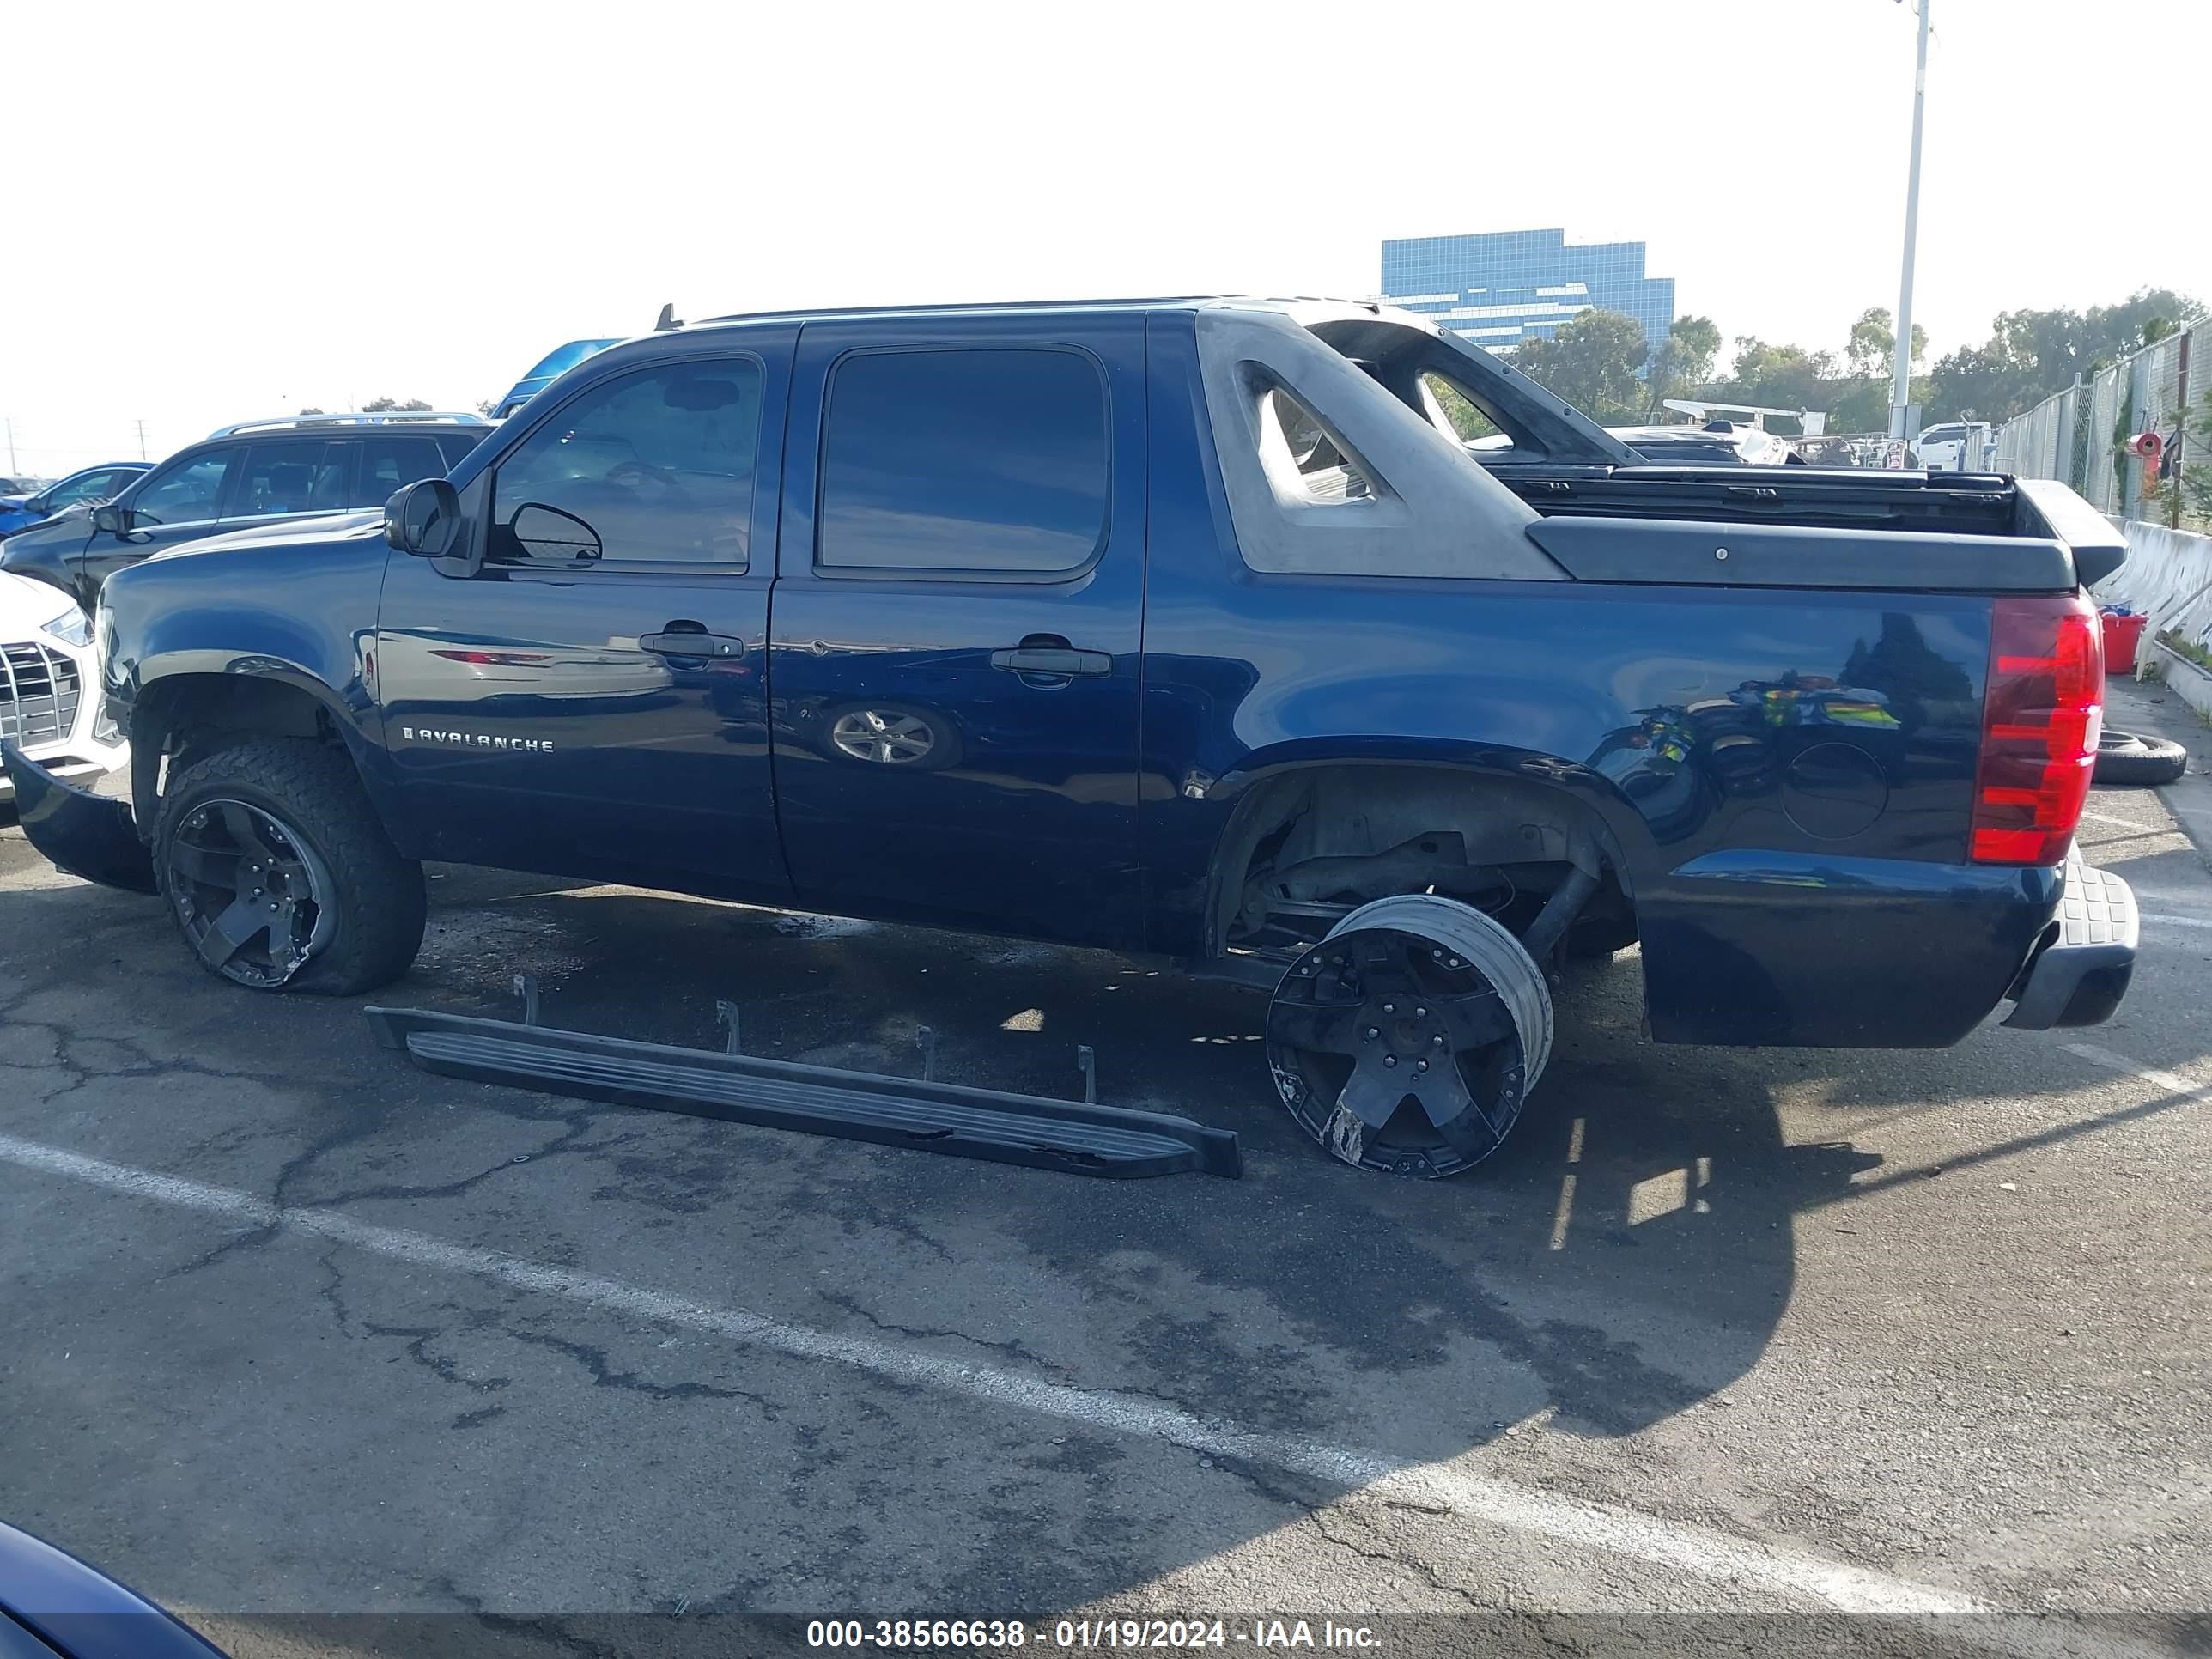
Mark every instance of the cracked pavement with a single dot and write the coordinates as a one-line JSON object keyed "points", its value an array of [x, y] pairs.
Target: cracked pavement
{"points": [[1940, 1315]]}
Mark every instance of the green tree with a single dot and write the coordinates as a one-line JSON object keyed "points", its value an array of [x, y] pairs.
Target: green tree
{"points": [[393, 405], [1778, 376], [1591, 361], [2030, 354], [312, 411], [1873, 338], [2188, 493], [1683, 363], [1466, 420], [1859, 405]]}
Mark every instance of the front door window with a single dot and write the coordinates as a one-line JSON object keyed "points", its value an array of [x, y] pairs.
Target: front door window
{"points": [[189, 492]]}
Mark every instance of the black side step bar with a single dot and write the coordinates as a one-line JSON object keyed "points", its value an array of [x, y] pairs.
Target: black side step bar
{"points": [[781, 1094]]}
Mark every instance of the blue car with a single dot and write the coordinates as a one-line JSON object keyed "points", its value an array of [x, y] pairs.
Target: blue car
{"points": [[89, 486], [52, 1605], [547, 369]]}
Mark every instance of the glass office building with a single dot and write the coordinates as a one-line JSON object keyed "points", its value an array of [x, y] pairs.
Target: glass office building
{"points": [[1502, 287]]}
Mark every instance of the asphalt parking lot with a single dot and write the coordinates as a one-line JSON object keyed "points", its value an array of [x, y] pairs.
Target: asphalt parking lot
{"points": [[291, 1329]]}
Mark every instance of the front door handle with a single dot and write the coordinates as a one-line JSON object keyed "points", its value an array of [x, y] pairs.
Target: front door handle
{"points": [[1055, 658], [692, 645]]}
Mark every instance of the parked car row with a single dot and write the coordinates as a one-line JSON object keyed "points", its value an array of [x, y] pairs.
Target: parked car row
{"points": [[255, 472], [65, 537], [64, 542], [85, 488]]}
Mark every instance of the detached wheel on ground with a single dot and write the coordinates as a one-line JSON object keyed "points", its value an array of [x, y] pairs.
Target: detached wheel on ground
{"points": [[279, 876], [2129, 758], [1407, 1041]]}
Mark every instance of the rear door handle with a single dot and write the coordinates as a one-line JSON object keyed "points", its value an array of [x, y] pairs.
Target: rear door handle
{"points": [[1052, 660], [692, 645]]}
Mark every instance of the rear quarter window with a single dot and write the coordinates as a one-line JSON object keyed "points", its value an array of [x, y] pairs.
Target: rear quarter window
{"points": [[456, 444], [386, 463]]}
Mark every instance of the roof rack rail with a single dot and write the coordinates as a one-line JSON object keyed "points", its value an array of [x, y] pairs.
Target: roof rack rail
{"points": [[390, 417]]}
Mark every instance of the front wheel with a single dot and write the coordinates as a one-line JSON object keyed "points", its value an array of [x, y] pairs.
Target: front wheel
{"points": [[279, 876]]}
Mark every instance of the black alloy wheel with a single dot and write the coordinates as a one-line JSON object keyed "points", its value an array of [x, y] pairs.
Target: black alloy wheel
{"points": [[251, 895], [1411, 1053]]}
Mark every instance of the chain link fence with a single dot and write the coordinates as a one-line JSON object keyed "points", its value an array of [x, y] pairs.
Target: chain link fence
{"points": [[2080, 436]]}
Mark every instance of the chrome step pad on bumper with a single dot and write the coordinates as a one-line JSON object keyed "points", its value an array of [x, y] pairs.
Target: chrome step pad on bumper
{"points": [[2081, 975]]}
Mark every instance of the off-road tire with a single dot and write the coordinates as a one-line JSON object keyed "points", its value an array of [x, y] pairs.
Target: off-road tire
{"points": [[376, 898], [2126, 758]]}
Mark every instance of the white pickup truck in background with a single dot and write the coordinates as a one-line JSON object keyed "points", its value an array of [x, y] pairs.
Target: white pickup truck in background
{"points": [[1956, 446]]}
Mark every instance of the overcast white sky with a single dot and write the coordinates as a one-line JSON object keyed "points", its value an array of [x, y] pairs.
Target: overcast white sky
{"points": [[225, 210]]}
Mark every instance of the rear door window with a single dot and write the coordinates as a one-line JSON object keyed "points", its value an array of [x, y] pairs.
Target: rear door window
{"points": [[186, 491], [388, 462], [981, 459], [277, 478]]}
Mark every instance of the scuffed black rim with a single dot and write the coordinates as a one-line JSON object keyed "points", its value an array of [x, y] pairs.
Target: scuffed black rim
{"points": [[1396, 1055], [252, 896]]}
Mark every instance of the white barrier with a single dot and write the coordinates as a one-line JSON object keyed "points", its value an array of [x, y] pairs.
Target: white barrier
{"points": [[2168, 578]]}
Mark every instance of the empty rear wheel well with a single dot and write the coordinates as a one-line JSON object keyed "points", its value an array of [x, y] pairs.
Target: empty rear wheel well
{"points": [[1308, 846]]}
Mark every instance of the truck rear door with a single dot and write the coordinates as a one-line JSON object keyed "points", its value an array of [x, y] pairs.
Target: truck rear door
{"points": [[958, 621]]}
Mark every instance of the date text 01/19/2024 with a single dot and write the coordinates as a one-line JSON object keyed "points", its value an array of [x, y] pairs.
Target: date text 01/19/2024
{"points": [[1115, 1635]]}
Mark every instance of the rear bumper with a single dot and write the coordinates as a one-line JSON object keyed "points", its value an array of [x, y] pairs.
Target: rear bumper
{"points": [[1800, 950], [2080, 973]]}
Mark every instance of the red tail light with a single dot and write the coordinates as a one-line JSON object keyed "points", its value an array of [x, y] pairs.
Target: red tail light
{"points": [[2041, 717]]}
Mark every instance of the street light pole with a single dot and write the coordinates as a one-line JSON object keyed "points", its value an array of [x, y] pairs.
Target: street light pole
{"points": [[1901, 396]]}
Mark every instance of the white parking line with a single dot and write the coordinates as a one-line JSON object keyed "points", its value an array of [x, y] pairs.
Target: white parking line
{"points": [[2190, 799], [2173, 921], [2112, 1062], [1703, 1552]]}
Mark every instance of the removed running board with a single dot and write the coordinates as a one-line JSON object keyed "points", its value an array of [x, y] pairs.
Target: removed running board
{"points": [[819, 1100]]}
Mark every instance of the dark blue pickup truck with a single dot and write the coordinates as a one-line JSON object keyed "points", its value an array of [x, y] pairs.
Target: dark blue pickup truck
{"points": [[1188, 627]]}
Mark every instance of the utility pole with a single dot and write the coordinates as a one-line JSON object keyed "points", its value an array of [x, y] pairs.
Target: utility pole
{"points": [[142, 440], [1902, 395], [11, 444]]}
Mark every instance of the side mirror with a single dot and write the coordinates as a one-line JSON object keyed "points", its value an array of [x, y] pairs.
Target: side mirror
{"points": [[424, 518], [115, 521], [547, 532]]}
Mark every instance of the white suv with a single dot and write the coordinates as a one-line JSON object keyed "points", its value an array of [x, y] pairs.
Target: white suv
{"points": [[50, 701]]}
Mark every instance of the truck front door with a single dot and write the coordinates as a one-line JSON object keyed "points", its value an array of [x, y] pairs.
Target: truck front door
{"points": [[591, 700], [957, 627]]}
